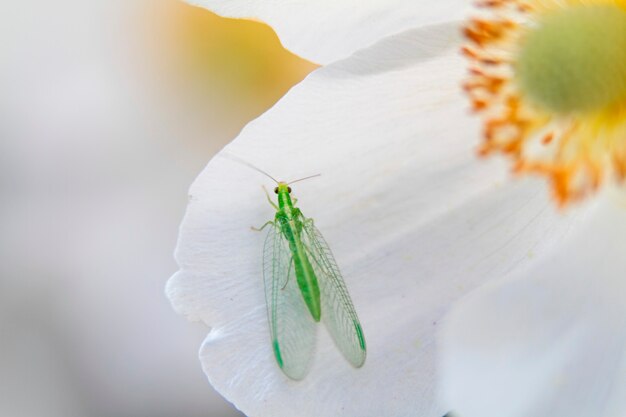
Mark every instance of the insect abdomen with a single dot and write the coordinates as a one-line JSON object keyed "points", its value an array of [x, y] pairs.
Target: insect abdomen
{"points": [[309, 287], [305, 275]]}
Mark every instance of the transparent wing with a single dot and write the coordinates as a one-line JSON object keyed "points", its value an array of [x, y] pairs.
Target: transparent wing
{"points": [[338, 312], [291, 326]]}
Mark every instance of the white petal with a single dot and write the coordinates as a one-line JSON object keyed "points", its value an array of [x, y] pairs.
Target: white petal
{"points": [[414, 219], [326, 30], [552, 340]]}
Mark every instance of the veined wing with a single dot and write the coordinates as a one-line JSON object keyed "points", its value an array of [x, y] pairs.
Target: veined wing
{"points": [[337, 309], [291, 325]]}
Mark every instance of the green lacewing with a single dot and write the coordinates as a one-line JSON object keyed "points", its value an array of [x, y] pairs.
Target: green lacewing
{"points": [[303, 286]]}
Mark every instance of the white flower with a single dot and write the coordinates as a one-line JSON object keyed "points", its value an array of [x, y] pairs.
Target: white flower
{"points": [[549, 78], [551, 340], [416, 222], [324, 31]]}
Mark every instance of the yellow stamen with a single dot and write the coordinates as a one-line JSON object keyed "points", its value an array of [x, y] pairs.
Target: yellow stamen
{"points": [[549, 80]]}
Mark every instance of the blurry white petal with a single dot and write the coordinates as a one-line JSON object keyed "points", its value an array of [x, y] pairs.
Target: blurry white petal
{"points": [[414, 219], [326, 30], [551, 341]]}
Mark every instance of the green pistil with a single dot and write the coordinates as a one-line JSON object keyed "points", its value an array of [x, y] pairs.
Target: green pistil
{"points": [[575, 59]]}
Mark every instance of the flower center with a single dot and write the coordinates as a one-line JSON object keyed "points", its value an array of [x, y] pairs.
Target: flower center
{"points": [[574, 60]]}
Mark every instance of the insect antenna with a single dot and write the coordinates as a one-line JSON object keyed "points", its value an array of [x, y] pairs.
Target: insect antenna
{"points": [[249, 165], [305, 178]]}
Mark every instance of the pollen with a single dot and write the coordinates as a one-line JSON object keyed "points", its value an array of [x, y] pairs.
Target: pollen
{"points": [[548, 79], [575, 61]]}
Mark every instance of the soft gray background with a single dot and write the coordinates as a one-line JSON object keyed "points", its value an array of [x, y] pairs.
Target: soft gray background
{"points": [[101, 138]]}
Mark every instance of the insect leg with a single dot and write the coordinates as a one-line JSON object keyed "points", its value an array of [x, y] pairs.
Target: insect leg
{"points": [[269, 198], [258, 229], [300, 219], [288, 274]]}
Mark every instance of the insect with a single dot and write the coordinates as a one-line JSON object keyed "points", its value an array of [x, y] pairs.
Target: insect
{"points": [[303, 286]]}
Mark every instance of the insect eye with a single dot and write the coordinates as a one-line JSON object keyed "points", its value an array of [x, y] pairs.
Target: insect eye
{"points": [[289, 190], [276, 190]]}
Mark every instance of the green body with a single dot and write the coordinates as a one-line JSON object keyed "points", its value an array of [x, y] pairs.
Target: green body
{"points": [[303, 286], [291, 223]]}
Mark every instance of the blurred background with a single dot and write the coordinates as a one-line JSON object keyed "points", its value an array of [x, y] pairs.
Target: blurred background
{"points": [[108, 111]]}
